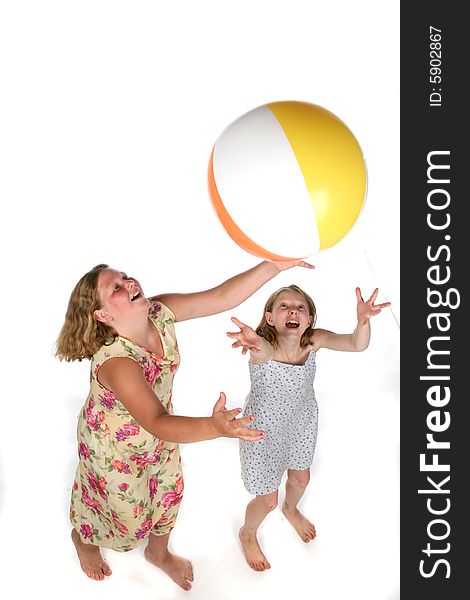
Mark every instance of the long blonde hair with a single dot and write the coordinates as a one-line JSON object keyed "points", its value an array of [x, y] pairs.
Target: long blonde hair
{"points": [[81, 334], [269, 333]]}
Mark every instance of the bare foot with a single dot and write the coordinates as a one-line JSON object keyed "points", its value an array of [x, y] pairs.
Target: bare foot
{"points": [[254, 557], [90, 558], [179, 569], [304, 528]]}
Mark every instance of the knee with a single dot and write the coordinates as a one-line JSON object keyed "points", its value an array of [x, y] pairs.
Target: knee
{"points": [[299, 480], [269, 501]]}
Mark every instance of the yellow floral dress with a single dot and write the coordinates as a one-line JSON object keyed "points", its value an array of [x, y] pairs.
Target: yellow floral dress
{"points": [[128, 483]]}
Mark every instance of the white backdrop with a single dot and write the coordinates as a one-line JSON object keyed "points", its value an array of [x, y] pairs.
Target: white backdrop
{"points": [[109, 111]]}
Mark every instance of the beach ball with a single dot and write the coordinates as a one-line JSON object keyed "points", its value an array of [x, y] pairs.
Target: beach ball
{"points": [[287, 180]]}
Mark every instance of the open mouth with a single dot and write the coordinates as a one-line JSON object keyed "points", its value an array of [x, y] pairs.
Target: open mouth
{"points": [[292, 324], [135, 295]]}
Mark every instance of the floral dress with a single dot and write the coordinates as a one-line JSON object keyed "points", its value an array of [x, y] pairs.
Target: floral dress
{"points": [[128, 483]]}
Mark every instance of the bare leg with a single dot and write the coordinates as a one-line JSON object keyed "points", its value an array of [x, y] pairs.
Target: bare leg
{"points": [[179, 569], [256, 512], [296, 483], [90, 558]]}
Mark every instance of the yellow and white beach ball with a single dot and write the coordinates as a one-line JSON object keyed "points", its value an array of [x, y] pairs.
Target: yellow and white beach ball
{"points": [[287, 180]]}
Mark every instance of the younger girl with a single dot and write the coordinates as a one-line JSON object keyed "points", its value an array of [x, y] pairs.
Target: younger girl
{"points": [[282, 400]]}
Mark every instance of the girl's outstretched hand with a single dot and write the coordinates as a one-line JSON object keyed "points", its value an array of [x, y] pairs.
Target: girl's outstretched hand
{"points": [[246, 337], [282, 265], [227, 425], [367, 309]]}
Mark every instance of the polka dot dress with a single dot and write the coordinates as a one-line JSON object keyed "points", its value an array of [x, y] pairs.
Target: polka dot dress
{"points": [[282, 400]]}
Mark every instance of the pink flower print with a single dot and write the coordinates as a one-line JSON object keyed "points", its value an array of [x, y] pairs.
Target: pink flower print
{"points": [[101, 420], [159, 447], [92, 481], [86, 530], [151, 371], [119, 526], [91, 418], [102, 487], [97, 485], [108, 399], [83, 450], [171, 498], [173, 367], [161, 522], [91, 402], [123, 486], [153, 486], [75, 485], [144, 528], [121, 467], [142, 460], [126, 431], [156, 308], [91, 502], [179, 485], [163, 333], [138, 510]]}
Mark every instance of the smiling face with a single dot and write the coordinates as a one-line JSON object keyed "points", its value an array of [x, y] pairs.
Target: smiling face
{"points": [[290, 314], [121, 298]]}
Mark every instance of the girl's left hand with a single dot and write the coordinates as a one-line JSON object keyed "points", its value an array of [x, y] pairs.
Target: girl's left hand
{"points": [[367, 309], [282, 265]]}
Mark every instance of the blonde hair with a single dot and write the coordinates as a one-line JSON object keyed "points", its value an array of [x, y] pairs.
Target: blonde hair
{"points": [[269, 333], [82, 335]]}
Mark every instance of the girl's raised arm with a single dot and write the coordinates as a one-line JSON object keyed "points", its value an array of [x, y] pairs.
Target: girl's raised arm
{"points": [[228, 294], [260, 350], [125, 378], [358, 340]]}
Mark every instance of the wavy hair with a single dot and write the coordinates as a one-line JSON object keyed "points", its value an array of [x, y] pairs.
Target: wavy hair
{"points": [[81, 334], [269, 333]]}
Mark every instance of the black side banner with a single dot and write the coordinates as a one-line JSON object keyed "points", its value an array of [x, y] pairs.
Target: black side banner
{"points": [[435, 441]]}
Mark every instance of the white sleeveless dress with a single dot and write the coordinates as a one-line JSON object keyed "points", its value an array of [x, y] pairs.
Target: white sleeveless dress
{"points": [[282, 400]]}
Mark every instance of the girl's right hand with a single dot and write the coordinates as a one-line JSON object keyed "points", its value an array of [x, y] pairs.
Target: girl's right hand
{"points": [[227, 425], [246, 337]]}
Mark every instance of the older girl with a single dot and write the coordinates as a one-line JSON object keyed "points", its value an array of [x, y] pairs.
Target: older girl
{"points": [[129, 484]]}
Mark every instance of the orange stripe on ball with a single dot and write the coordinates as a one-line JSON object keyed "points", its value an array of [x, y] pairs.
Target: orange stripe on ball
{"points": [[231, 227]]}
